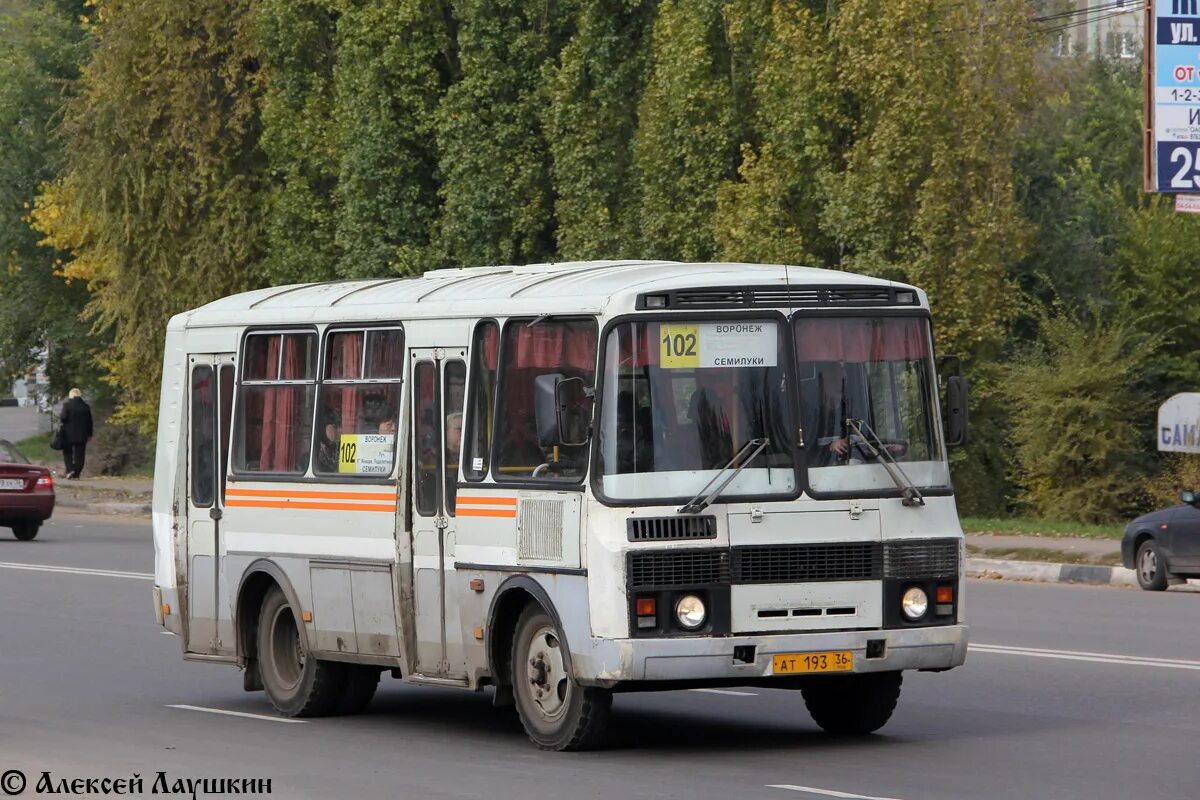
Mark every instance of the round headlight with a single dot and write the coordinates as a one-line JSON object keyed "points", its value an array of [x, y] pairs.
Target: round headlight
{"points": [[914, 602], [690, 612]]}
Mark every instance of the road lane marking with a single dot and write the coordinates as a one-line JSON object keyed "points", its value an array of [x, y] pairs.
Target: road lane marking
{"points": [[247, 715], [827, 792], [1074, 655], [726, 691], [105, 573]]}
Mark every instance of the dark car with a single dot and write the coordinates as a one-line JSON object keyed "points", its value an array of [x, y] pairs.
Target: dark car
{"points": [[1164, 544], [26, 493]]}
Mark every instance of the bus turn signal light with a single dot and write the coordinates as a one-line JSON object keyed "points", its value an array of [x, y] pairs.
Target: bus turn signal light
{"points": [[945, 594], [646, 607]]}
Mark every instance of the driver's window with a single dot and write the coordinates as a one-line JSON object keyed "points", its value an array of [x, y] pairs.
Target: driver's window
{"points": [[531, 348]]}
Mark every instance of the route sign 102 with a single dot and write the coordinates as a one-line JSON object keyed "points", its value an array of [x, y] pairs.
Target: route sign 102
{"points": [[1173, 158]]}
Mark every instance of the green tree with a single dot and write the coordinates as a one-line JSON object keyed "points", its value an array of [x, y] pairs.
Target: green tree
{"points": [[298, 45], [772, 212], [1077, 404], [686, 142], [938, 88], [42, 45], [395, 60], [591, 117], [160, 200], [494, 159]]}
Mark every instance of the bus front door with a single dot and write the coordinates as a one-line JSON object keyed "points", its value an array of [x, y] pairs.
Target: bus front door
{"points": [[209, 627], [438, 382]]}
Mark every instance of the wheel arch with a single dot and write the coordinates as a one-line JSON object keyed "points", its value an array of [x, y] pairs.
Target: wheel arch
{"points": [[515, 593], [256, 581]]}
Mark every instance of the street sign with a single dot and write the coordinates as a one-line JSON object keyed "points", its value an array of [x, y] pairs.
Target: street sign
{"points": [[1179, 424], [1173, 96]]}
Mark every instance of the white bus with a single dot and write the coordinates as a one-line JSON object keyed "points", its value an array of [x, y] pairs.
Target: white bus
{"points": [[563, 481]]}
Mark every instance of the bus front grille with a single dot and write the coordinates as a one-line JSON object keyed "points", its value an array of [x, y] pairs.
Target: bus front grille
{"points": [[921, 558], [661, 569], [803, 563]]}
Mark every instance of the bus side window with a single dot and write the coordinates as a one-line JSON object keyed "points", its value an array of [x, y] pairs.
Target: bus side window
{"points": [[358, 402], [564, 347], [455, 378], [275, 404], [485, 352], [427, 439]]}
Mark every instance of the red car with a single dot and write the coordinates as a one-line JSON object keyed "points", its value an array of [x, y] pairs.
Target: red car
{"points": [[26, 493]]}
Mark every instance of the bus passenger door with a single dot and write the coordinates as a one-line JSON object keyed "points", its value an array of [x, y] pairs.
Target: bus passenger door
{"points": [[439, 378], [210, 403]]}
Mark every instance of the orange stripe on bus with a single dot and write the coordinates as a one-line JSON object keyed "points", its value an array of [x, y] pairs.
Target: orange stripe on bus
{"points": [[309, 506], [483, 500], [486, 512], [286, 493]]}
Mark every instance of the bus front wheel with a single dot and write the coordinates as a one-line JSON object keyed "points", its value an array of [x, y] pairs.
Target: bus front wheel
{"points": [[852, 704], [557, 713], [296, 683]]}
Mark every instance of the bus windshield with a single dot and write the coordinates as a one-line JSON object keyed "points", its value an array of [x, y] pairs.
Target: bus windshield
{"points": [[866, 384], [681, 398]]}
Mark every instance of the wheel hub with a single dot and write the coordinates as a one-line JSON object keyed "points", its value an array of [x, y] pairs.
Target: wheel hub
{"points": [[546, 673], [1148, 565]]}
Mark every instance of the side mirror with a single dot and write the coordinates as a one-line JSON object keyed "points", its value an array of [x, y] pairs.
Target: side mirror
{"points": [[563, 410], [1188, 496], [956, 411]]}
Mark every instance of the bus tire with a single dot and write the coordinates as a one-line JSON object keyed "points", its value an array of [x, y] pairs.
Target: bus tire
{"points": [[854, 704], [556, 712], [296, 683], [358, 687]]}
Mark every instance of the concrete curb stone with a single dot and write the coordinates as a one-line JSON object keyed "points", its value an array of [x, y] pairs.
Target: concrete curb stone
{"points": [[104, 506], [1049, 572]]}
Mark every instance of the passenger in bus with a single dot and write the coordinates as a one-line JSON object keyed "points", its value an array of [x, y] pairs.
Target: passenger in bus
{"points": [[388, 426], [327, 447], [454, 423]]}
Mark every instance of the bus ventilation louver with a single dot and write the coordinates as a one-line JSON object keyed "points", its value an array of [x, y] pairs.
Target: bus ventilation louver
{"points": [[782, 297], [921, 558], [664, 529], [803, 563], [670, 568]]}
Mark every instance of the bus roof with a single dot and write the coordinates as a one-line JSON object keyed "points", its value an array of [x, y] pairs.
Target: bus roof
{"points": [[584, 287]]}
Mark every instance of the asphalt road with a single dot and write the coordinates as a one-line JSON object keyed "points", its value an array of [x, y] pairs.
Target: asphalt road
{"points": [[1049, 705]]}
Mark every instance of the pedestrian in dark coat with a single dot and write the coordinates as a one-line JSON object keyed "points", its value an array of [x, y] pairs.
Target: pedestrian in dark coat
{"points": [[76, 419]]}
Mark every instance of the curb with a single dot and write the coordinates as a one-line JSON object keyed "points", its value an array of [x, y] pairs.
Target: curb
{"points": [[104, 506], [1050, 573]]}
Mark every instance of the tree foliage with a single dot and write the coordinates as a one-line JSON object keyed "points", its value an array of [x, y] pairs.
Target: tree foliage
{"points": [[41, 47], [160, 199], [1077, 403], [591, 118], [685, 143]]}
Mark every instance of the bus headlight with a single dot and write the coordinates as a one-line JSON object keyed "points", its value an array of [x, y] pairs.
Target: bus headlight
{"points": [[690, 612], [914, 602]]}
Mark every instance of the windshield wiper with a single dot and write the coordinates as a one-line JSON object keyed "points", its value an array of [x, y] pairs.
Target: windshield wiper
{"points": [[912, 496], [702, 501]]}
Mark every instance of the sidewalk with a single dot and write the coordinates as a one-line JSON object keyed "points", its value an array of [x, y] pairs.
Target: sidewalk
{"points": [[1067, 549], [104, 495]]}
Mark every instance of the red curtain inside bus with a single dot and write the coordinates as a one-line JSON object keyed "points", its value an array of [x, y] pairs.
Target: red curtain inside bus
{"points": [[862, 339]]}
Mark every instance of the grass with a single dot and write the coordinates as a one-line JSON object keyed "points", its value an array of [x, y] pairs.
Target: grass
{"points": [[37, 449], [1025, 526], [1043, 554]]}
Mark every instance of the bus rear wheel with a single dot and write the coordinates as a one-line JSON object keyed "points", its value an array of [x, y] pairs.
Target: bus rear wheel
{"points": [[854, 704], [296, 683], [557, 713]]}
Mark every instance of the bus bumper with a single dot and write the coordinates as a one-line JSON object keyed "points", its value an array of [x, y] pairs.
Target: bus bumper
{"points": [[730, 659]]}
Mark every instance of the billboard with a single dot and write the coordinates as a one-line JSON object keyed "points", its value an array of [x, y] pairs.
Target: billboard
{"points": [[1173, 96]]}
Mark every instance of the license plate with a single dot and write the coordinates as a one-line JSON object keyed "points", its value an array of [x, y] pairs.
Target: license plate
{"points": [[12, 483], [797, 663]]}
